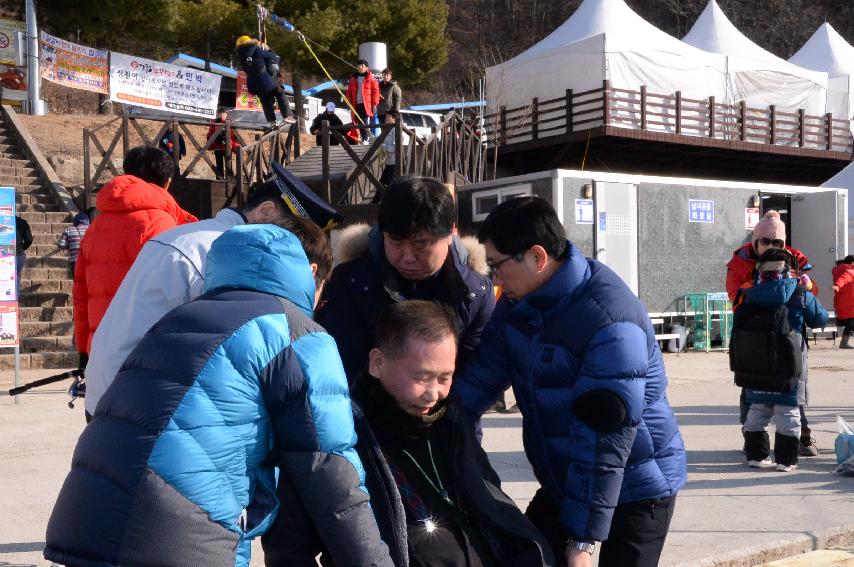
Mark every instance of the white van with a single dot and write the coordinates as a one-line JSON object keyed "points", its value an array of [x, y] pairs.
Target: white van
{"points": [[421, 122]]}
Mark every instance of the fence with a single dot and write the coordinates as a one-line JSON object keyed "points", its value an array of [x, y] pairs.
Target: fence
{"points": [[668, 114]]}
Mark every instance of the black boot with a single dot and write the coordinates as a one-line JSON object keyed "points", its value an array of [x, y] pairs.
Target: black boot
{"points": [[757, 446], [786, 452]]}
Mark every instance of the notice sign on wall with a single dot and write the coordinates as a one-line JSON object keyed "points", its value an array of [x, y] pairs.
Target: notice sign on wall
{"points": [[152, 84], [584, 211], [8, 323], [700, 210], [72, 65], [7, 39], [751, 217]]}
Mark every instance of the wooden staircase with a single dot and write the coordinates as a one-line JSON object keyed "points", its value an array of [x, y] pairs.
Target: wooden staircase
{"points": [[46, 321]]}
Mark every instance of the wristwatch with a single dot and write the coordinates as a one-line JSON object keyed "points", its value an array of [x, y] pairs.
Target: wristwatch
{"points": [[586, 546]]}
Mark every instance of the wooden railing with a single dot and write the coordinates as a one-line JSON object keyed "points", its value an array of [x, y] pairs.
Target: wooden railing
{"points": [[453, 151], [254, 159], [100, 145], [666, 114]]}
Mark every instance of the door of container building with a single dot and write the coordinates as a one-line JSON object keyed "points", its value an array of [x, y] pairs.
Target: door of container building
{"points": [[616, 229], [811, 227]]}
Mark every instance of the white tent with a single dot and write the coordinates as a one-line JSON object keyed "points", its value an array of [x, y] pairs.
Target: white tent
{"points": [[755, 75], [827, 51], [605, 39]]}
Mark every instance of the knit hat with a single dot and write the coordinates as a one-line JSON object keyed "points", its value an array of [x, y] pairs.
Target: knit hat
{"points": [[769, 226], [81, 218]]}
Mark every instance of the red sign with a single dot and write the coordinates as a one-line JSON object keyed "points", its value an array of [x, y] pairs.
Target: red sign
{"points": [[245, 100], [8, 323]]}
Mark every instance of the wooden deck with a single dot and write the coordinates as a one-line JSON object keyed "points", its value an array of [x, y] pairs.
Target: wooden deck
{"points": [[309, 168]]}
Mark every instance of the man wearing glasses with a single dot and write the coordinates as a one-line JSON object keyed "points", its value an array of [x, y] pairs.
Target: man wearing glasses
{"points": [[769, 232], [580, 352], [411, 253], [169, 272]]}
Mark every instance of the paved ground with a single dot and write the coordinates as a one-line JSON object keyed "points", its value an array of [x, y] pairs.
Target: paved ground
{"points": [[726, 515]]}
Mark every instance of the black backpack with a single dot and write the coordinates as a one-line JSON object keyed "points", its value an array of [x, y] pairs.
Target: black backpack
{"points": [[764, 350]]}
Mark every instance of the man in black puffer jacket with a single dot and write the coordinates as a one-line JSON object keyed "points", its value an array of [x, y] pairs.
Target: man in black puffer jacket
{"points": [[410, 254]]}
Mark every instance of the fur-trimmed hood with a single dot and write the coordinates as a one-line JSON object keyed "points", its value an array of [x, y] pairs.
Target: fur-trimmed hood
{"points": [[355, 240]]}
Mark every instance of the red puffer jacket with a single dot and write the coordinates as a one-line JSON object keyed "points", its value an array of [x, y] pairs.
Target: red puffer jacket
{"points": [[739, 270], [130, 211], [843, 301], [370, 93]]}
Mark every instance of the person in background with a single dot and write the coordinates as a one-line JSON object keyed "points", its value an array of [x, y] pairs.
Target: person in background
{"points": [[770, 232], [133, 207], [580, 352], [218, 145], [389, 148], [23, 240], [71, 238], [411, 253], [436, 498], [363, 92], [257, 61], [329, 116], [775, 284], [178, 466], [843, 299], [390, 96]]}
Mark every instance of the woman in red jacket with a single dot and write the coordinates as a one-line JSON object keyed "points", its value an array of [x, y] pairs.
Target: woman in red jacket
{"points": [[843, 299], [131, 209]]}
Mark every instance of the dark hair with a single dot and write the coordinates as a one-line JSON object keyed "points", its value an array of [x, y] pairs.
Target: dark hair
{"points": [[777, 255], [849, 259], [314, 242], [149, 164], [517, 224], [413, 204], [427, 321], [264, 191], [362, 62], [387, 70]]}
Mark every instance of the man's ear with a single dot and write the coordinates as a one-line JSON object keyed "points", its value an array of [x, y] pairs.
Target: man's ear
{"points": [[266, 212], [541, 257], [375, 362]]}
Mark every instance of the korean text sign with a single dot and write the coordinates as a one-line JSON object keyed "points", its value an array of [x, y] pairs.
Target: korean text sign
{"points": [[701, 210], [152, 84], [72, 65]]}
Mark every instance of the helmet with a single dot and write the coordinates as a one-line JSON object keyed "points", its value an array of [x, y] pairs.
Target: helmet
{"points": [[242, 39]]}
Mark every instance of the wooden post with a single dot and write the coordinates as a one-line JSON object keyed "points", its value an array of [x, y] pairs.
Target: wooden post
{"points": [[176, 148], [298, 101], [327, 183], [742, 107], [125, 134], [238, 186], [773, 124], [535, 115], [678, 112], [569, 111], [502, 125], [711, 117], [398, 148], [801, 128], [829, 122], [643, 107], [87, 180], [606, 102]]}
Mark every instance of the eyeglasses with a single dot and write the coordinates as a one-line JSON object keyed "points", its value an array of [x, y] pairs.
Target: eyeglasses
{"points": [[493, 268], [776, 242]]}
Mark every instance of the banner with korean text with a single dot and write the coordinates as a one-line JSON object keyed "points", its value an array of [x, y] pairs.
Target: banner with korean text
{"points": [[72, 65], [8, 275], [152, 84]]}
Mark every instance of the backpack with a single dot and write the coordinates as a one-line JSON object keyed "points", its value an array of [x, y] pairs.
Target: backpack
{"points": [[764, 350]]}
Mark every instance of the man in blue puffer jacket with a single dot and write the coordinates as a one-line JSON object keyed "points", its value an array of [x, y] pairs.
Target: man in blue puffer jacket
{"points": [[580, 352], [177, 466]]}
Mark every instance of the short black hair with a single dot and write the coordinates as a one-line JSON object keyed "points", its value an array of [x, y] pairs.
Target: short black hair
{"points": [[413, 204], [388, 70], [314, 242], [149, 164], [427, 321], [519, 223], [776, 255], [260, 192], [362, 62]]}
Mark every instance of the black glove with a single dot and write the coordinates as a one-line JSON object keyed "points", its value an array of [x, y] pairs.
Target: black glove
{"points": [[84, 360]]}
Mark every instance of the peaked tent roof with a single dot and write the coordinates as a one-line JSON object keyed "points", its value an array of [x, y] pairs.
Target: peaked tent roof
{"points": [[826, 51], [714, 32]]}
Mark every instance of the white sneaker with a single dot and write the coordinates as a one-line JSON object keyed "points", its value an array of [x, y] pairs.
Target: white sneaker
{"points": [[289, 120], [760, 464], [786, 468]]}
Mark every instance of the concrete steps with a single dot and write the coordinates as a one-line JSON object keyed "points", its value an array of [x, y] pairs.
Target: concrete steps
{"points": [[45, 307]]}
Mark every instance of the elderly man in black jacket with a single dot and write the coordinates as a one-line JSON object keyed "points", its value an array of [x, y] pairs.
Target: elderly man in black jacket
{"points": [[411, 253], [435, 496]]}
